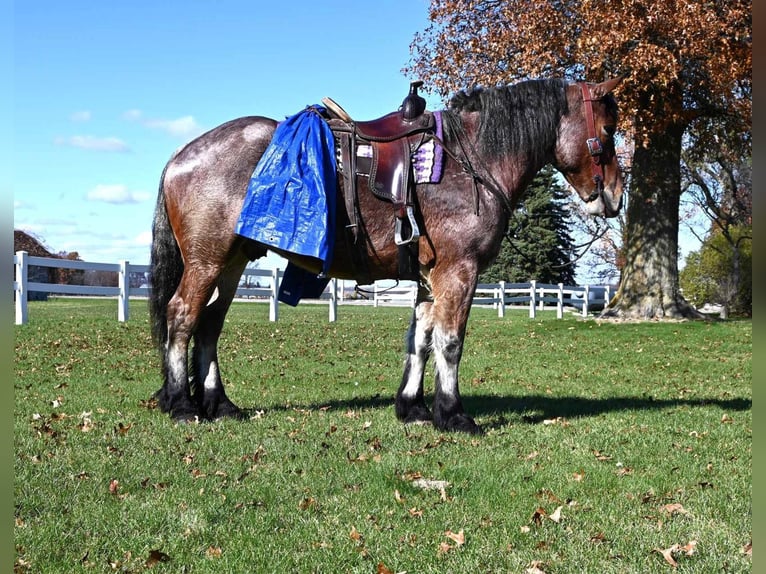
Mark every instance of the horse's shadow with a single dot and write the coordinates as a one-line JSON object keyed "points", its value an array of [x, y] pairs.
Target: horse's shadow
{"points": [[533, 409]]}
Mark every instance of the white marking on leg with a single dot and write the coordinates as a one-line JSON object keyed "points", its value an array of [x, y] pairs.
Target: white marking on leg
{"points": [[177, 365], [213, 297], [446, 367], [417, 360]]}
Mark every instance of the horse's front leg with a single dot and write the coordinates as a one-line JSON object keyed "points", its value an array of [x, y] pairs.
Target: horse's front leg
{"points": [[410, 404], [452, 304]]}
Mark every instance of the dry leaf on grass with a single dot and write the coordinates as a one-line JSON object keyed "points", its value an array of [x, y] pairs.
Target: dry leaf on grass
{"points": [[667, 553], [458, 538], [155, 556], [556, 516], [674, 508], [534, 567]]}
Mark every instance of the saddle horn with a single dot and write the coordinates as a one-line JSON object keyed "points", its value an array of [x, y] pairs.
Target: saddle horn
{"points": [[414, 104]]}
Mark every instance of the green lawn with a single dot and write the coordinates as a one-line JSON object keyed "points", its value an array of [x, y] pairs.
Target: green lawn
{"points": [[606, 445]]}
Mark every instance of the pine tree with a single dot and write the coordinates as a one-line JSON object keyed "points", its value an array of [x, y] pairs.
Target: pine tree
{"points": [[540, 246]]}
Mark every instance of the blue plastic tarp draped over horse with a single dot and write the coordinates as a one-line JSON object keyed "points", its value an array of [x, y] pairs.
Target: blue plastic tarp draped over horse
{"points": [[290, 201]]}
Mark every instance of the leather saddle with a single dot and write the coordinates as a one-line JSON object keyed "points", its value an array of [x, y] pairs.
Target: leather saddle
{"points": [[381, 150]]}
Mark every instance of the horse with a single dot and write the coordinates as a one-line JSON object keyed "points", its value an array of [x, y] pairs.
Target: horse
{"points": [[495, 141]]}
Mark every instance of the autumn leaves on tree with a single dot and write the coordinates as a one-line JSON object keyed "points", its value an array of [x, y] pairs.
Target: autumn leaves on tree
{"points": [[687, 67]]}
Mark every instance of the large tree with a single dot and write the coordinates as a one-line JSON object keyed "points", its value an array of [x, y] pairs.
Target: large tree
{"points": [[685, 61], [539, 245]]}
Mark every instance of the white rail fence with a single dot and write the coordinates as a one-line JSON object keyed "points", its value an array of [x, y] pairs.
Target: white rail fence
{"points": [[533, 296]]}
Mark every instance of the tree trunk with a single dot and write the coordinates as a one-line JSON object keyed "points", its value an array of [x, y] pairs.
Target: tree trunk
{"points": [[649, 286]]}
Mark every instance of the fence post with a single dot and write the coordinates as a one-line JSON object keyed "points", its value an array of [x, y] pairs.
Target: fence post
{"points": [[585, 299], [375, 294], [607, 296], [532, 295], [501, 302], [22, 273], [123, 298], [560, 302], [273, 301], [333, 300]]}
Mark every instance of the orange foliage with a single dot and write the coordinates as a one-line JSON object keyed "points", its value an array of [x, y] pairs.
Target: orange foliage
{"points": [[682, 58]]}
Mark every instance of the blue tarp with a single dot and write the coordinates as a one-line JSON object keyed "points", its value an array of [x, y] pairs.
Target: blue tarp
{"points": [[290, 201]]}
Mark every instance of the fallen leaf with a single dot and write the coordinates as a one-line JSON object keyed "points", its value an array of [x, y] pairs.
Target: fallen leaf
{"points": [[600, 456], [354, 534], [689, 548], [398, 497], [667, 554], [556, 516], [444, 548], [383, 570], [114, 486], [748, 549], [156, 556], [534, 567], [726, 419], [214, 552], [307, 503], [674, 508], [415, 513], [538, 516], [457, 538]]}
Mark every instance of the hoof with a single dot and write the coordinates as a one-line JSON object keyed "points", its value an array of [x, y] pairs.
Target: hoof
{"points": [[183, 414], [227, 409], [462, 423], [415, 414]]}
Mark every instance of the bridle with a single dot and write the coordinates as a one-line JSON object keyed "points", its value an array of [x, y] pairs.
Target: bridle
{"points": [[595, 147]]}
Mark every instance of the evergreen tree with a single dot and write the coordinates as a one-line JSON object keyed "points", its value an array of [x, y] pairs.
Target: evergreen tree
{"points": [[540, 247]]}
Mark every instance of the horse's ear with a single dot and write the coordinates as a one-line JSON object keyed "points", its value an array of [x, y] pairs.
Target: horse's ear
{"points": [[600, 90]]}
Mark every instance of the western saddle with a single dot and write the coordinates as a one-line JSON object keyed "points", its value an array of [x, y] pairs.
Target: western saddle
{"points": [[381, 150]]}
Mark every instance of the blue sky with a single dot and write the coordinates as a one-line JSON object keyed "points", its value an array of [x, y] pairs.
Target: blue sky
{"points": [[104, 92]]}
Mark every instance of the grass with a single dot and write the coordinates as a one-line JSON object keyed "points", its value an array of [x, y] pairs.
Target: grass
{"points": [[606, 444]]}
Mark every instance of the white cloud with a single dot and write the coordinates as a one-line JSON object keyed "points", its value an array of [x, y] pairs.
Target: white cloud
{"points": [[183, 127], [116, 193], [81, 116], [133, 115], [186, 126], [144, 238], [92, 143]]}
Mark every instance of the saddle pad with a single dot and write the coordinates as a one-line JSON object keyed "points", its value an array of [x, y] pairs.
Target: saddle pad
{"points": [[427, 160]]}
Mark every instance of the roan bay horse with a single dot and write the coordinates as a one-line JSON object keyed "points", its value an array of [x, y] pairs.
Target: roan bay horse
{"points": [[495, 141]]}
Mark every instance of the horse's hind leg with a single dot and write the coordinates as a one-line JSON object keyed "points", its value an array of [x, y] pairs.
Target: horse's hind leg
{"points": [[208, 386], [410, 404], [183, 312]]}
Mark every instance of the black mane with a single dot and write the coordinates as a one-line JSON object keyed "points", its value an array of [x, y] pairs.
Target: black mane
{"points": [[517, 119]]}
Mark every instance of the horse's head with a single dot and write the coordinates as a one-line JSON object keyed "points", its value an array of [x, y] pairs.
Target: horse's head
{"points": [[585, 152]]}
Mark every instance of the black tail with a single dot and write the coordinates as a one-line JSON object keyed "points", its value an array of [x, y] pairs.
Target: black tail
{"points": [[165, 268]]}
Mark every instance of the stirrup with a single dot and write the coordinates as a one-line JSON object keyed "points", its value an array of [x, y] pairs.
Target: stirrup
{"points": [[414, 230]]}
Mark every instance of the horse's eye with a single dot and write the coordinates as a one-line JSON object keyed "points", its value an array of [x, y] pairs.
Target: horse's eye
{"points": [[609, 130]]}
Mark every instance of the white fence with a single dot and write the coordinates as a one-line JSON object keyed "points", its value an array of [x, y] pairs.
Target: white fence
{"points": [[534, 296]]}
